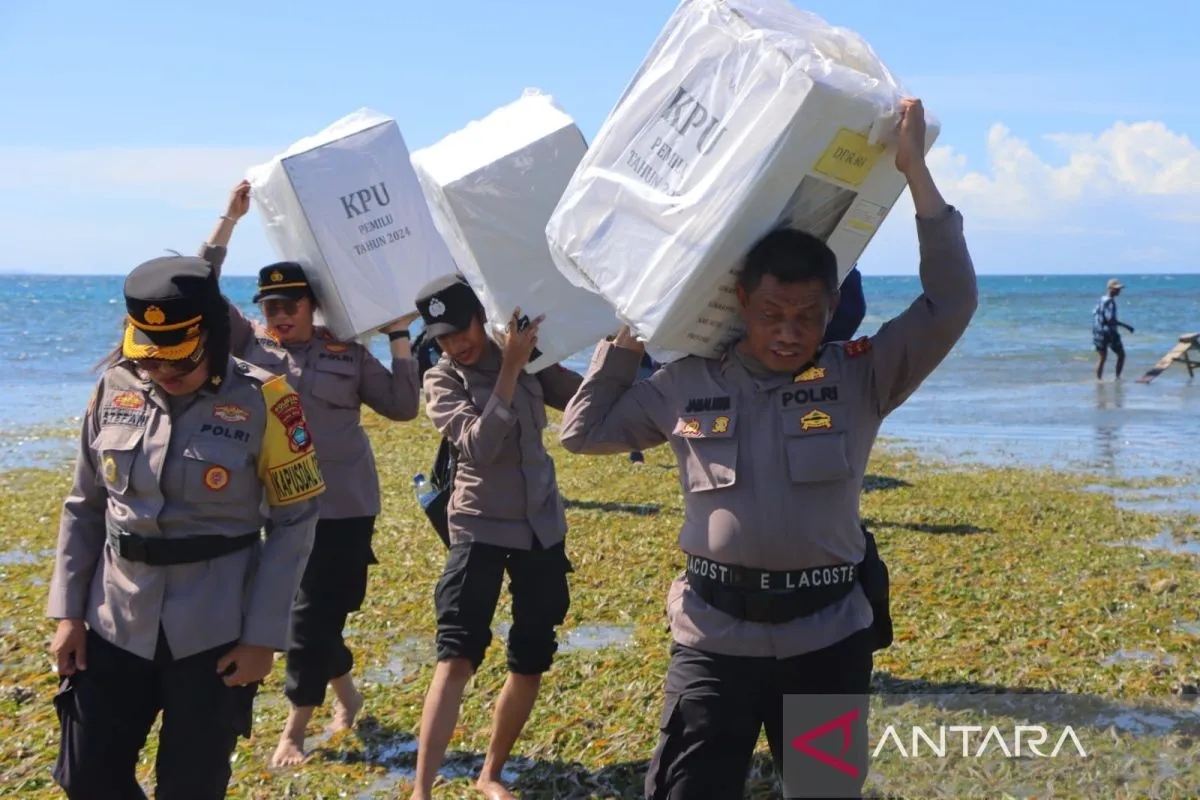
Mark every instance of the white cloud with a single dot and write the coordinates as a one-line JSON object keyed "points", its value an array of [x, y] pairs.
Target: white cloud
{"points": [[1143, 165]]}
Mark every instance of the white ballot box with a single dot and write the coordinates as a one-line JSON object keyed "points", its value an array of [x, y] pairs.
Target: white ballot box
{"points": [[491, 187], [347, 205], [746, 115]]}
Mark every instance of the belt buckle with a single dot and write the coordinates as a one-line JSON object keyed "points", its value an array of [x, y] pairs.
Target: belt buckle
{"points": [[131, 547]]}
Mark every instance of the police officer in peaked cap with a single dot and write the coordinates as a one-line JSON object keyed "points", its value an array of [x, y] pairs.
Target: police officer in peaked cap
{"points": [[168, 597], [335, 380], [783, 592]]}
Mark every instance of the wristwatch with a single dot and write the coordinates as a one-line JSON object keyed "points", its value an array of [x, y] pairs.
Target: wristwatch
{"points": [[400, 334]]}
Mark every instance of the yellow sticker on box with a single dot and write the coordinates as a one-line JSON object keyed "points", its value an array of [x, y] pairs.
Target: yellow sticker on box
{"points": [[849, 157]]}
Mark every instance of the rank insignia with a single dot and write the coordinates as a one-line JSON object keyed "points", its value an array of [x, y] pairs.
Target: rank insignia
{"points": [[690, 427], [810, 374], [815, 419]]}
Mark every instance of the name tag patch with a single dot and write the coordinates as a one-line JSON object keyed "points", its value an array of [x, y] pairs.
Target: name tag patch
{"points": [[112, 415], [698, 405]]}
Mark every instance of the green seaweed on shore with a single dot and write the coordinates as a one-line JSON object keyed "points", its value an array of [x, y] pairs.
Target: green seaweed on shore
{"points": [[1002, 580]]}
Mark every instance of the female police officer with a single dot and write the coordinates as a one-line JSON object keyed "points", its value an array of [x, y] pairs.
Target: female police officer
{"points": [[168, 598], [504, 514], [335, 379]]}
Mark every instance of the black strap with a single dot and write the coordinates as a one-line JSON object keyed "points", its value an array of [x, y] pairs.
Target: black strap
{"points": [[736, 590], [159, 552]]}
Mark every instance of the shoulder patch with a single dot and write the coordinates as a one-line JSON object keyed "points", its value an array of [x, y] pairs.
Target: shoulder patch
{"points": [[857, 347], [288, 463]]}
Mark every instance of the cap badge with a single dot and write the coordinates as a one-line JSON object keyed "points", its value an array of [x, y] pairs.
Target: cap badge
{"points": [[436, 308], [276, 276], [154, 316]]}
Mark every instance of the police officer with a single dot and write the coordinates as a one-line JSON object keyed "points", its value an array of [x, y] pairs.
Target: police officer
{"points": [[772, 442], [168, 597], [335, 379], [505, 514]]}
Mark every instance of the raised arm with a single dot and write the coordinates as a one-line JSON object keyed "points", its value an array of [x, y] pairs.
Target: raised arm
{"points": [[910, 346], [395, 394], [214, 251], [559, 385], [610, 413]]}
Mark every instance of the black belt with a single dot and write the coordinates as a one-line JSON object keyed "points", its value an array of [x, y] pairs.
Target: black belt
{"points": [[159, 552], [757, 595]]}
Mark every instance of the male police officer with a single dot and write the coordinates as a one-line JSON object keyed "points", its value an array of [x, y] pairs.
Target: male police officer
{"points": [[772, 442]]}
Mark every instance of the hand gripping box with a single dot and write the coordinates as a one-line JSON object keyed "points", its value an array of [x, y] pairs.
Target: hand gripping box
{"points": [[745, 115], [491, 187], [346, 204]]}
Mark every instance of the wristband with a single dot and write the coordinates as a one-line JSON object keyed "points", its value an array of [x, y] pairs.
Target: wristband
{"points": [[400, 334]]}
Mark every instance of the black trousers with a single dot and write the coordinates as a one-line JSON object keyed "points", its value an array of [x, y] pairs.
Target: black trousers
{"points": [[334, 584], [716, 706], [469, 589], [106, 711]]}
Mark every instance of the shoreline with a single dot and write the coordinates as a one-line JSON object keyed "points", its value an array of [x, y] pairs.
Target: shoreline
{"points": [[1002, 580]]}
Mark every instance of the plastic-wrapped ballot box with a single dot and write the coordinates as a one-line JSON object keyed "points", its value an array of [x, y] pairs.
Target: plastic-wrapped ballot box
{"points": [[491, 187], [745, 115], [346, 204]]}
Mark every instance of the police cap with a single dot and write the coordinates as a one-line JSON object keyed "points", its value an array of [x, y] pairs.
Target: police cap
{"points": [[447, 305], [283, 280], [167, 300]]}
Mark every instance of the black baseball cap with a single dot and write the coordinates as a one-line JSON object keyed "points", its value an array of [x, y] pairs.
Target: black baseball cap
{"points": [[447, 305], [283, 280], [167, 300]]}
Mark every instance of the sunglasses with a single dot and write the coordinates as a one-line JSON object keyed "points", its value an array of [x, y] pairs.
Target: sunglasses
{"points": [[272, 308], [177, 367]]}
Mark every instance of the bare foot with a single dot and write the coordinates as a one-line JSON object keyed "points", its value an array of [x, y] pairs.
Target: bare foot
{"points": [[290, 750], [493, 789], [346, 704]]}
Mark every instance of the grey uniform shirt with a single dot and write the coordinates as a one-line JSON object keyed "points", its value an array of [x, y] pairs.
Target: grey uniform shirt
{"points": [[334, 379], [772, 465], [210, 465], [505, 490]]}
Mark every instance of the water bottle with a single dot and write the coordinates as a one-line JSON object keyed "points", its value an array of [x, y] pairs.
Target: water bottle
{"points": [[424, 490]]}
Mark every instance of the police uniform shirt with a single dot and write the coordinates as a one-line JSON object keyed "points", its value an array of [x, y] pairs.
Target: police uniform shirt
{"points": [[505, 488], [224, 462], [334, 379], [772, 465]]}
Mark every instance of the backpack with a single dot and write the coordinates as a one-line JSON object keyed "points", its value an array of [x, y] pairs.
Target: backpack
{"points": [[445, 463]]}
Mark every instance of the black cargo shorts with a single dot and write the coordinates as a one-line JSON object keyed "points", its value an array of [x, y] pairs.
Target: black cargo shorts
{"points": [[469, 589]]}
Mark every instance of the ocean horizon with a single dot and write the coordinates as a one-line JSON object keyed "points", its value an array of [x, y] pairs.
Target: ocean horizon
{"points": [[1018, 390]]}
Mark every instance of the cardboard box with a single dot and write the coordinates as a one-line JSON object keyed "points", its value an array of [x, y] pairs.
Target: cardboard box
{"points": [[347, 205], [491, 187], [746, 114]]}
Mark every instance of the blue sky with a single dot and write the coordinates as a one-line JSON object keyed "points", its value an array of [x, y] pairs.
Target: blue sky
{"points": [[1069, 129]]}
